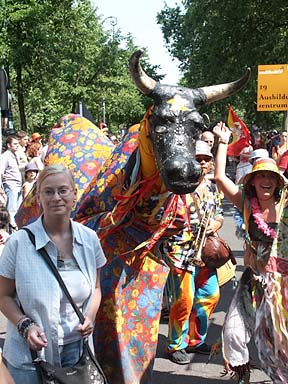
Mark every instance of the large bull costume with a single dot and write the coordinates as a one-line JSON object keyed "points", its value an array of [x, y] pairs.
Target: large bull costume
{"points": [[131, 203]]}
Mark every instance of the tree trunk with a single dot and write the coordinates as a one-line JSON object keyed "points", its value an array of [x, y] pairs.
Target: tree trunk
{"points": [[285, 121], [23, 123]]}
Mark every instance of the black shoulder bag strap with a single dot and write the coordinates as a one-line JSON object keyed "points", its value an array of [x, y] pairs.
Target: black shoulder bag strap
{"points": [[50, 263]]}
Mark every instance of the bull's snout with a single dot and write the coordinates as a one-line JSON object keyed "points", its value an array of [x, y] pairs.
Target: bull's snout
{"points": [[181, 176]]}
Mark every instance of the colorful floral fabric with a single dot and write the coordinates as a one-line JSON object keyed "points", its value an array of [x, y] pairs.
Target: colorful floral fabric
{"points": [[131, 210], [122, 197], [81, 146], [194, 297]]}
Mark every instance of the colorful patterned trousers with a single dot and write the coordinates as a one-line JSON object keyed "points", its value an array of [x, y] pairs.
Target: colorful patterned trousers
{"points": [[195, 296]]}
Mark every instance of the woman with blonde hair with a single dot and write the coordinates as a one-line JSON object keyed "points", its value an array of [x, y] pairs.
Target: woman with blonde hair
{"points": [[38, 312]]}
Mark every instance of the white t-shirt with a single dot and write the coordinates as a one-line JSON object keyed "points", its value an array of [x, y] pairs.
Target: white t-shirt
{"points": [[79, 288]]}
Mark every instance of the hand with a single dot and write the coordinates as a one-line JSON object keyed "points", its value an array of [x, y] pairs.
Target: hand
{"points": [[214, 226], [13, 228], [36, 338], [86, 329], [222, 131]]}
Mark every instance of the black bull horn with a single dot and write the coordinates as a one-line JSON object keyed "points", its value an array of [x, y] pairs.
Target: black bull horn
{"points": [[175, 123]]}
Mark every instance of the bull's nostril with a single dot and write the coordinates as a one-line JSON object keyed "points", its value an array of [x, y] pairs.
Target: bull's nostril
{"points": [[181, 177], [182, 170], [176, 169]]}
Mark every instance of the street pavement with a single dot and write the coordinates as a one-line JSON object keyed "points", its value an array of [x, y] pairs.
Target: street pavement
{"points": [[198, 371]]}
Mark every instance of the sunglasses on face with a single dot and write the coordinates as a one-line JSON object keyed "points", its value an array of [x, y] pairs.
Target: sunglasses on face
{"points": [[203, 158]]}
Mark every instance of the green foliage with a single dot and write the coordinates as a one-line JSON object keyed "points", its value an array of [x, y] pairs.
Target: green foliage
{"points": [[59, 54], [215, 40]]}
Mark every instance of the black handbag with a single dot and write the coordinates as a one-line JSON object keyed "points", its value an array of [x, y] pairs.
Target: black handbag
{"points": [[87, 370]]}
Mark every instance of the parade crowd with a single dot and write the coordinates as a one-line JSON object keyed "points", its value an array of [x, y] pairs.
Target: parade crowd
{"points": [[43, 318]]}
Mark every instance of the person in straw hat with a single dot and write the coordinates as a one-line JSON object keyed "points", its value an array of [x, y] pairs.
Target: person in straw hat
{"points": [[194, 288], [259, 306]]}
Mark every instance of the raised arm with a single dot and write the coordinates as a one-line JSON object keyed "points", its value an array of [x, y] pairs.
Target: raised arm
{"points": [[226, 185]]}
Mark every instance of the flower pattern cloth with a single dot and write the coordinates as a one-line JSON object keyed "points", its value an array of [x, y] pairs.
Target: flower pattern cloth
{"points": [[121, 196], [78, 144], [131, 210]]}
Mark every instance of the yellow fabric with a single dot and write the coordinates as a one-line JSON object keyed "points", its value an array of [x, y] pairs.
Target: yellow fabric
{"points": [[148, 165]]}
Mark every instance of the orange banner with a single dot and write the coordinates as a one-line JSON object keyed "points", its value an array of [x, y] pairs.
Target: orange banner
{"points": [[272, 87]]}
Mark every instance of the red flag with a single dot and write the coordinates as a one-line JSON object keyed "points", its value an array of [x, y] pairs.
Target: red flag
{"points": [[241, 134]]}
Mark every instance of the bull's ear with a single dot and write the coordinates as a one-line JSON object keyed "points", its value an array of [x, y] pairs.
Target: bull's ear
{"points": [[219, 92], [143, 82]]}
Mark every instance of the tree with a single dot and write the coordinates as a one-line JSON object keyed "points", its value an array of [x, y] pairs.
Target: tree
{"points": [[54, 48], [59, 54], [216, 40]]}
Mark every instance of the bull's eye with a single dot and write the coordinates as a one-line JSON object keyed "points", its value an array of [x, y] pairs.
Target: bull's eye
{"points": [[160, 129]]}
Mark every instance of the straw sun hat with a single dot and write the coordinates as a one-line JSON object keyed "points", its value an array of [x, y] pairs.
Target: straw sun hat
{"points": [[264, 165]]}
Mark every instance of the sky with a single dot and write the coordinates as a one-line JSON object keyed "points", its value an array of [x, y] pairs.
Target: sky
{"points": [[139, 18]]}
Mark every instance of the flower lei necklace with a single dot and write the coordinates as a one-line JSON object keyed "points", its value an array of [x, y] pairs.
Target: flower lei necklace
{"points": [[261, 224]]}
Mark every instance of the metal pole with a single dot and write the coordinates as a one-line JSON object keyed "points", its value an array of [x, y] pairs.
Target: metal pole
{"points": [[285, 121], [104, 111], [285, 125], [0, 131]]}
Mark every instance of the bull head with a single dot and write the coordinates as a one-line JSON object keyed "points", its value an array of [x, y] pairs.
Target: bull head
{"points": [[176, 123]]}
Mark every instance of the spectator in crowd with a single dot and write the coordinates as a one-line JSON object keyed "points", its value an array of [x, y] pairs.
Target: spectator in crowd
{"points": [[4, 222], [103, 126], [260, 153], [3, 197], [283, 164], [44, 152], [208, 137], [277, 151], [31, 173], [273, 141], [114, 139], [36, 138], [195, 288], [45, 319], [34, 155], [4, 121], [256, 137], [23, 140], [244, 166], [11, 178]]}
